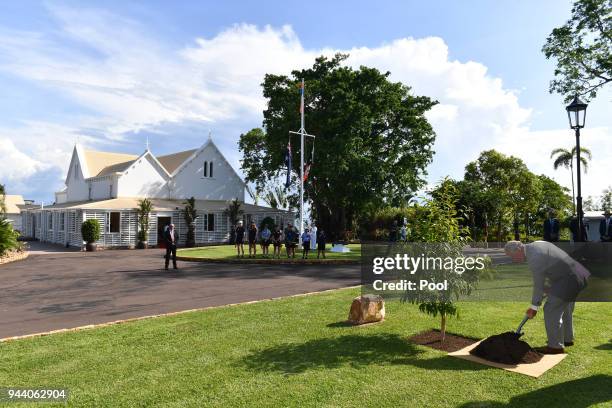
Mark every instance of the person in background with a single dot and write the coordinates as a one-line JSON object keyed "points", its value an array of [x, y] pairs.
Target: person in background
{"points": [[574, 229], [558, 276], [291, 239], [239, 232], [321, 243], [403, 233], [171, 238], [265, 240], [305, 243], [277, 241], [551, 227], [313, 237], [605, 227], [252, 236], [393, 232]]}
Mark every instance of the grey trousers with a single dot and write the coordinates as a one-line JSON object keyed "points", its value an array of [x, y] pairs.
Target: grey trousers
{"points": [[558, 321]]}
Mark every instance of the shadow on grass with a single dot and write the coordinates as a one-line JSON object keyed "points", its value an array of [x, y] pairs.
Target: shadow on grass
{"points": [[353, 350], [344, 323], [605, 346], [581, 393]]}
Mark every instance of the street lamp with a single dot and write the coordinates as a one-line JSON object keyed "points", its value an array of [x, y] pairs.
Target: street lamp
{"points": [[576, 113]]}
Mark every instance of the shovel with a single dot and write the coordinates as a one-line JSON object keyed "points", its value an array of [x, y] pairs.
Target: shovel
{"points": [[518, 331]]}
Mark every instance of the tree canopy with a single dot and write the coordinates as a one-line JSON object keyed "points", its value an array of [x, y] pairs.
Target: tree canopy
{"points": [[373, 141], [583, 50], [500, 193]]}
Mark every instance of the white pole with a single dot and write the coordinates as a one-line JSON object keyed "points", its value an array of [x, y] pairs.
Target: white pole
{"points": [[302, 131]]}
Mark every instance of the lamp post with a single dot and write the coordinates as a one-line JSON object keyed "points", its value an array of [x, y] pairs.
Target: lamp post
{"points": [[576, 113]]}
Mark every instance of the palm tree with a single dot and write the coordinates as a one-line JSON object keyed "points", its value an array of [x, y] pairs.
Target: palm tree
{"points": [[276, 197], [565, 158]]}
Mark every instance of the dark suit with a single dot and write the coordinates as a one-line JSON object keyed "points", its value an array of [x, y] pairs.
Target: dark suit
{"points": [[605, 229], [551, 230], [171, 239], [574, 230]]}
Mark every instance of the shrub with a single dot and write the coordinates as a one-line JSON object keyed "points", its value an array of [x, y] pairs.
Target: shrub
{"points": [[266, 221], [190, 214], [144, 209], [8, 237], [90, 230]]}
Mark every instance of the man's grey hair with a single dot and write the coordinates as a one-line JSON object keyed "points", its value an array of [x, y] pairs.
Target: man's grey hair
{"points": [[513, 246]]}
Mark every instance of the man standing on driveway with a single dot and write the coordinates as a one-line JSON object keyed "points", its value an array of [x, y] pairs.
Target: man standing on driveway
{"points": [[171, 238], [562, 278]]}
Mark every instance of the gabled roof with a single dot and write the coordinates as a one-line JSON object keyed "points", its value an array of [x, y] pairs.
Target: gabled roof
{"points": [[105, 163], [171, 162], [11, 202]]}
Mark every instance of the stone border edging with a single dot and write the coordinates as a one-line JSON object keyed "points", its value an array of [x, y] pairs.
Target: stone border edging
{"points": [[180, 312], [263, 261], [14, 257]]}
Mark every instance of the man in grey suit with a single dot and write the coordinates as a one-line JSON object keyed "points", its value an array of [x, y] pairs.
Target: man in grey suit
{"points": [[558, 276]]}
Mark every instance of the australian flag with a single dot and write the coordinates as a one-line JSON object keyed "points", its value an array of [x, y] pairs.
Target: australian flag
{"points": [[288, 164]]}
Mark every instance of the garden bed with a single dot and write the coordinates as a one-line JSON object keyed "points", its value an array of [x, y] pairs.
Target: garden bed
{"points": [[452, 342], [12, 256]]}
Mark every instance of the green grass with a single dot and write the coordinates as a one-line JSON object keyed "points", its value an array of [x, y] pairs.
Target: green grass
{"points": [[293, 352], [229, 252]]}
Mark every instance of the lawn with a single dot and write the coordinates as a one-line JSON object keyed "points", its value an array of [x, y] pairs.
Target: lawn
{"points": [[229, 252], [294, 352]]}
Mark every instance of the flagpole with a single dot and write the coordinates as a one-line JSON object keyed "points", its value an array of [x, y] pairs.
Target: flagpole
{"points": [[302, 131]]}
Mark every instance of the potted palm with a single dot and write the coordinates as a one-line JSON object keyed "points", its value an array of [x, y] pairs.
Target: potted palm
{"points": [[90, 230], [144, 210]]}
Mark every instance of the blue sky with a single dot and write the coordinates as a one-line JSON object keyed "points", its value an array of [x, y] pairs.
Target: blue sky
{"points": [[113, 73]]}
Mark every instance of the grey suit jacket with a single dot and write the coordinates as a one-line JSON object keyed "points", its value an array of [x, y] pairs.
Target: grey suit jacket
{"points": [[566, 277]]}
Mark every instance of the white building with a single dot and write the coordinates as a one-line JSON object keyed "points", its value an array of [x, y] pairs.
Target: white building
{"points": [[13, 205], [592, 220], [107, 187]]}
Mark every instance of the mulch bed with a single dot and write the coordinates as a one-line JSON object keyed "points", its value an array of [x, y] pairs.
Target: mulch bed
{"points": [[506, 348], [452, 342]]}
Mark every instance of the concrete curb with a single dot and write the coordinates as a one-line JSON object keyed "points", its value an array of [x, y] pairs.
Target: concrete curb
{"points": [[135, 319], [293, 261]]}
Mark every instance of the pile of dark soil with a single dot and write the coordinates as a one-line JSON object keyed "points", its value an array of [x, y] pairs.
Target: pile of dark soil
{"points": [[506, 348]]}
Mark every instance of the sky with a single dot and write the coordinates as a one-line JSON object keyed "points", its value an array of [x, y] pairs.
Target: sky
{"points": [[113, 74]]}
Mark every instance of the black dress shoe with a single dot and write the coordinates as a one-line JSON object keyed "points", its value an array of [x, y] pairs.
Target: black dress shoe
{"points": [[568, 343]]}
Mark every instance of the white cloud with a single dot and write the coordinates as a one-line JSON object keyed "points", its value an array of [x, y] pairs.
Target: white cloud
{"points": [[133, 81], [16, 164]]}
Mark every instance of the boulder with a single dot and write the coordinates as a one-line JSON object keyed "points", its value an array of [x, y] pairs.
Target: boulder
{"points": [[367, 309]]}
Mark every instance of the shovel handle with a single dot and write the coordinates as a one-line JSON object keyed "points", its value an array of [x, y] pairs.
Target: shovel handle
{"points": [[518, 331]]}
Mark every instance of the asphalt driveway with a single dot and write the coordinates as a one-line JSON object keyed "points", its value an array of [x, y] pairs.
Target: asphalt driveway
{"points": [[56, 289]]}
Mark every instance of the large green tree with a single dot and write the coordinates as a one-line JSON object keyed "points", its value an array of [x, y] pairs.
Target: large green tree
{"points": [[373, 141], [500, 180], [583, 50]]}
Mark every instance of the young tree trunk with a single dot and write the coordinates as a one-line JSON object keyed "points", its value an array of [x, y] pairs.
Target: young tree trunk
{"points": [[443, 327]]}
